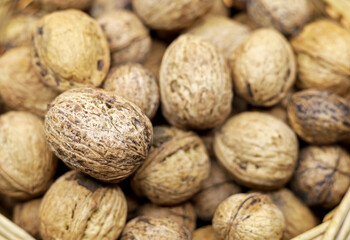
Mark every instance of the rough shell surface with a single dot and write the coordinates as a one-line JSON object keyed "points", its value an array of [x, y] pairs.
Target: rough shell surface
{"points": [[52, 5], [101, 7], [206, 233], [155, 56]]}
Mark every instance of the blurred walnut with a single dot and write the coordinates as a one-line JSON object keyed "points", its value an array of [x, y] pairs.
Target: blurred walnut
{"points": [[339, 10], [243, 18], [277, 111], [219, 8], [206, 232], [132, 205], [238, 4], [155, 56], [101, 7], [53, 5]]}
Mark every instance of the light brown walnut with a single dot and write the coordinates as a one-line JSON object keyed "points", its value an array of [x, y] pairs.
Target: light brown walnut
{"points": [[219, 8], [206, 232], [101, 7], [243, 18], [155, 56], [53, 5]]}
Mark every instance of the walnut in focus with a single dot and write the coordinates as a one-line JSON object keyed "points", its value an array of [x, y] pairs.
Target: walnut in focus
{"points": [[101, 7], [155, 56], [206, 232]]}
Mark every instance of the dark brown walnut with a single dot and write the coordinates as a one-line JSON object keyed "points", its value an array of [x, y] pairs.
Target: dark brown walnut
{"points": [[216, 188], [101, 7], [27, 164], [250, 217], [52, 5], [98, 133], [20, 86], [322, 176], [79, 207], [69, 50], [155, 56], [319, 116], [175, 169], [136, 84], [206, 232], [259, 150], [287, 16], [129, 40], [195, 84]]}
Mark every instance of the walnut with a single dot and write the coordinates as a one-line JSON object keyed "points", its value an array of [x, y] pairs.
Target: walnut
{"points": [[98, 133], [101, 7], [195, 84], [133, 206], [70, 50], [263, 68], [136, 84], [248, 216], [277, 111], [216, 188], [206, 232], [237, 4], [319, 116], [219, 8], [129, 40], [175, 169], [155, 56], [78, 207], [259, 150], [52, 5], [27, 164], [20, 86], [243, 18], [323, 56], [322, 175]]}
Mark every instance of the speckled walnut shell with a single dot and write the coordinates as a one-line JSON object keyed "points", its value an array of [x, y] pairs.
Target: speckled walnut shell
{"points": [[129, 40], [98, 133], [175, 169], [79, 207], [216, 188], [323, 56], [206, 233], [195, 84], [136, 84], [319, 116], [70, 50], [20, 86], [155, 56], [52, 5], [287, 16], [183, 214], [101, 7], [250, 217], [259, 150], [263, 68], [322, 176], [27, 164]]}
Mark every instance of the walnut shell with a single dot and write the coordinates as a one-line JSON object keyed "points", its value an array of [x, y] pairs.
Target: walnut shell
{"points": [[243, 18], [250, 217], [175, 169], [20, 86], [101, 7], [259, 150], [277, 111], [322, 176], [98, 133], [70, 50], [323, 56], [206, 232], [78, 207], [27, 164], [52, 5], [133, 206], [263, 68], [129, 40], [319, 116], [136, 84], [219, 8], [195, 84], [155, 56]]}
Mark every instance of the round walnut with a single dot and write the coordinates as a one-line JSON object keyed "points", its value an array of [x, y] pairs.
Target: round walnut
{"points": [[20, 86], [98, 133], [52, 5], [155, 56], [319, 116], [129, 40], [70, 50], [101, 7], [287, 16], [136, 84], [249, 216], [322, 176], [323, 56], [78, 207], [206, 233], [259, 150], [263, 68], [175, 169], [216, 188], [195, 84]]}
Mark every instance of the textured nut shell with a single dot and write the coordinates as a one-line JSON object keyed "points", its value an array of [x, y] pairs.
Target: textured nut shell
{"points": [[323, 56], [215, 189], [101, 7], [20, 86], [263, 67], [250, 217], [155, 56], [322, 175], [78, 207], [51, 5], [195, 84], [206, 233], [259, 150], [70, 50], [319, 117], [147, 227], [287, 16], [27, 164], [98, 133], [136, 84]]}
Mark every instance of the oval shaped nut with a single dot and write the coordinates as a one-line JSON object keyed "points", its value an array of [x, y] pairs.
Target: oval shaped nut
{"points": [[195, 84], [319, 116], [69, 50], [98, 133]]}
